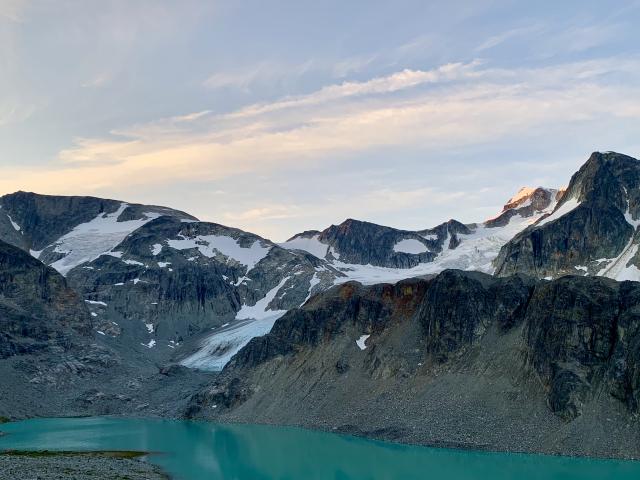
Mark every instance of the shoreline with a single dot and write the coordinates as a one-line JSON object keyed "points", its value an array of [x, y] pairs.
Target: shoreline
{"points": [[347, 431], [51, 464]]}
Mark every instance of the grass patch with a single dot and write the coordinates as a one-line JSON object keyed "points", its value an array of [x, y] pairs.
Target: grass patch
{"points": [[4, 419], [62, 453]]}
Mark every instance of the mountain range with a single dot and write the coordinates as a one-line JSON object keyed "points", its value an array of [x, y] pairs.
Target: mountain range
{"points": [[436, 336]]}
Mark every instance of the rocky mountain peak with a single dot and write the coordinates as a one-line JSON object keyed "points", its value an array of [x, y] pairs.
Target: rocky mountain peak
{"points": [[539, 197], [592, 229]]}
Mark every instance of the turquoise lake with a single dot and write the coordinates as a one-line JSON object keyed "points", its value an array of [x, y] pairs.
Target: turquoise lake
{"points": [[204, 451]]}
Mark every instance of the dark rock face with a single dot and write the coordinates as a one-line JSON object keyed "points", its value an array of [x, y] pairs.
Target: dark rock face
{"points": [[367, 243], [571, 332], [38, 310], [459, 307], [605, 188], [578, 336]]}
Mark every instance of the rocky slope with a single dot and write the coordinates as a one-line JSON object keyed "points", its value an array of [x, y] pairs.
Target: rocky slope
{"points": [[592, 230], [464, 359]]}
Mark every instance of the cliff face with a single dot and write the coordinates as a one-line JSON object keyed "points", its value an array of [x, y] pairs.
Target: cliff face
{"points": [[417, 361], [37, 309]]}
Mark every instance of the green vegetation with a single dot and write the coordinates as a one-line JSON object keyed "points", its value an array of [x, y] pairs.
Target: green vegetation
{"points": [[54, 453]]}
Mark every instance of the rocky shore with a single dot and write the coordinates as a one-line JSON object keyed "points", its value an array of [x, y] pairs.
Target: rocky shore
{"points": [[77, 466]]}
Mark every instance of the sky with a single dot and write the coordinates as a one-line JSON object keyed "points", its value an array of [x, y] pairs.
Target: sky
{"points": [[283, 116]]}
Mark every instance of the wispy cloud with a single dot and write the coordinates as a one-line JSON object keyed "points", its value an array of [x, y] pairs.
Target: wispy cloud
{"points": [[261, 73], [439, 110], [503, 37]]}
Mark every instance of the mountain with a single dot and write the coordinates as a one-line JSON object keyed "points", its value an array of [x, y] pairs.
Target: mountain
{"points": [[371, 253], [108, 307], [593, 230], [159, 281], [154, 277], [171, 280], [463, 359]]}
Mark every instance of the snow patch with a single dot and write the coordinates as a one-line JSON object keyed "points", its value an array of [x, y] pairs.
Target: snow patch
{"points": [[630, 220], [133, 262], [156, 248], [411, 246], [568, 206], [315, 280], [259, 310], [96, 302], [311, 245], [361, 342], [14, 224]]}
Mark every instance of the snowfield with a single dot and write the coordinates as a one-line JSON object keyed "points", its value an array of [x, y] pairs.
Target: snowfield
{"points": [[89, 240]]}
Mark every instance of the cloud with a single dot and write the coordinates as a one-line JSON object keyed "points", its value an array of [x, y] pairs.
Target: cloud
{"points": [[264, 213], [381, 85], [262, 73], [496, 40], [448, 108]]}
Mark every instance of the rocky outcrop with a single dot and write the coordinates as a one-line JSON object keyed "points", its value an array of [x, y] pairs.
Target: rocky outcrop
{"points": [[459, 307], [527, 203], [38, 311]]}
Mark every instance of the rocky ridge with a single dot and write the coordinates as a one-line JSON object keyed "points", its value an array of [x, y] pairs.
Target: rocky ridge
{"points": [[372, 253]]}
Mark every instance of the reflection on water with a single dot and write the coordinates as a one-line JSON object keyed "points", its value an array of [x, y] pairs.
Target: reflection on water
{"points": [[195, 451]]}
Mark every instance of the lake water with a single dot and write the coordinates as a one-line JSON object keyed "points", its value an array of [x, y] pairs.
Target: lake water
{"points": [[198, 451]]}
